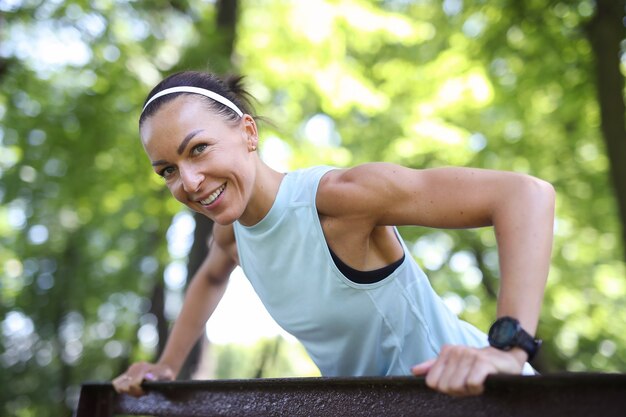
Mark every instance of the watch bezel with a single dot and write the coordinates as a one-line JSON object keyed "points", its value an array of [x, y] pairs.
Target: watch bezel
{"points": [[511, 341]]}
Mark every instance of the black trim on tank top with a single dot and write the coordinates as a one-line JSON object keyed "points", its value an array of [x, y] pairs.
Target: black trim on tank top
{"points": [[365, 277]]}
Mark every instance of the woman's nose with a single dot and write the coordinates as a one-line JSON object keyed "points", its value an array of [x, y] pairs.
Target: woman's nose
{"points": [[191, 179]]}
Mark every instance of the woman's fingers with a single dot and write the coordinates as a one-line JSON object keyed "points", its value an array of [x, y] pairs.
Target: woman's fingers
{"points": [[456, 377], [423, 368], [130, 381], [128, 384], [462, 370], [433, 377], [476, 380]]}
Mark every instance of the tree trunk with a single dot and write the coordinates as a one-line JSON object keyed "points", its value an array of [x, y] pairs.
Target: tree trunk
{"points": [[220, 51], [198, 252], [157, 308], [605, 32]]}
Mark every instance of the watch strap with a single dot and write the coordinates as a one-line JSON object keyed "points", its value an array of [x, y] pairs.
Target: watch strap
{"points": [[527, 343]]}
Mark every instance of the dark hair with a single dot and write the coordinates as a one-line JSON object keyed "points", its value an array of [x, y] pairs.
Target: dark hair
{"points": [[230, 87]]}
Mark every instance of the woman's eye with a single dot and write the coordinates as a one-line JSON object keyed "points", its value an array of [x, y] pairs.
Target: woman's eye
{"points": [[198, 149], [167, 172]]}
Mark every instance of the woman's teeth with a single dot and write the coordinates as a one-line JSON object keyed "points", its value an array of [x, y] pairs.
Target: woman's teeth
{"points": [[214, 195]]}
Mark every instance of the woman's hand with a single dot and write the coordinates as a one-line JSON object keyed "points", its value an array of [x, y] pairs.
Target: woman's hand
{"points": [[462, 370], [130, 381]]}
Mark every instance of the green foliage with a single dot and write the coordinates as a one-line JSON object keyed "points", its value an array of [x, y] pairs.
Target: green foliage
{"points": [[501, 84], [267, 358], [83, 218]]}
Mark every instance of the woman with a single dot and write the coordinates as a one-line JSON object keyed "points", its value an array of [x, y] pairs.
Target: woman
{"points": [[321, 249]]}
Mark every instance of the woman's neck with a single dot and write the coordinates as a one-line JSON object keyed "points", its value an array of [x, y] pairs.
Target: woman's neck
{"points": [[266, 184]]}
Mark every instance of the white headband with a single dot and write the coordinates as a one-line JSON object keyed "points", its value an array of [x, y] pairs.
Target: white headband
{"points": [[195, 90]]}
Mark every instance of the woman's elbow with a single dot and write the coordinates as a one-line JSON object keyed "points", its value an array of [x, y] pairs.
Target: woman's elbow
{"points": [[542, 192]]}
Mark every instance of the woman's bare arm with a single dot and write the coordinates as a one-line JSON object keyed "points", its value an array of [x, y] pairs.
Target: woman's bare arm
{"points": [[521, 209], [203, 294]]}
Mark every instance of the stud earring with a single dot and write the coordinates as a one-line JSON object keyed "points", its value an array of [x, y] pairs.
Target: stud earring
{"points": [[254, 147]]}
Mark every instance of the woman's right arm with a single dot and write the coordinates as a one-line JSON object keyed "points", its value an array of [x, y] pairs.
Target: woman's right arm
{"points": [[203, 294]]}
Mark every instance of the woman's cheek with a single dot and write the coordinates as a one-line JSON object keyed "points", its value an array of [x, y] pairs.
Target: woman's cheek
{"points": [[177, 192]]}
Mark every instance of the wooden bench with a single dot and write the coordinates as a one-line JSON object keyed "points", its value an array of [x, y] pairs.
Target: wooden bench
{"points": [[568, 395]]}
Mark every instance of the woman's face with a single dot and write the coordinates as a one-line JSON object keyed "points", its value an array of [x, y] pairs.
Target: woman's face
{"points": [[207, 163]]}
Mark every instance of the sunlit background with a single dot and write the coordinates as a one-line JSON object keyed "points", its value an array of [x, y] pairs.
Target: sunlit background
{"points": [[94, 252]]}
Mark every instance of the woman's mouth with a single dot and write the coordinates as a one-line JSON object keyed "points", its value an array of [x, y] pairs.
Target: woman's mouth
{"points": [[214, 195]]}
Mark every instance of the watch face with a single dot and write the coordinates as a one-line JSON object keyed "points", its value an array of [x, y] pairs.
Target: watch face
{"points": [[503, 332]]}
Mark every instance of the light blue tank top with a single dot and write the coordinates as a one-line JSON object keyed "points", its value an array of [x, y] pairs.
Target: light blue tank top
{"points": [[348, 329]]}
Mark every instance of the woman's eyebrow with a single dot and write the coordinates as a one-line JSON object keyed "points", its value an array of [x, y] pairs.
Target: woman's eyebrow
{"points": [[183, 144]]}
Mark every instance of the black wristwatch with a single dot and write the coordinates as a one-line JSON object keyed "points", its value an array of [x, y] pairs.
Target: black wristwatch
{"points": [[506, 333]]}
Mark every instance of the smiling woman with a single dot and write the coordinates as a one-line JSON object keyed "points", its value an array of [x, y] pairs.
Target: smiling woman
{"points": [[321, 249]]}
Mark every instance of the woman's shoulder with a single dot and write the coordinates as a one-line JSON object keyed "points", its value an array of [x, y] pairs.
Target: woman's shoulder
{"points": [[348, 191]]}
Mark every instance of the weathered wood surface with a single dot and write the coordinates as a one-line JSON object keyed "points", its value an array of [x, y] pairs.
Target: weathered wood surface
{"points": [[570, 395]]}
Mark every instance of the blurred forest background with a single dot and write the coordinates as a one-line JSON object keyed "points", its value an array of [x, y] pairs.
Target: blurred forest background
{"points": [[90, 277]]}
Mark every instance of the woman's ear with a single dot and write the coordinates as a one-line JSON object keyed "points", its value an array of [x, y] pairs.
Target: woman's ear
{"points": [[250, 132]]}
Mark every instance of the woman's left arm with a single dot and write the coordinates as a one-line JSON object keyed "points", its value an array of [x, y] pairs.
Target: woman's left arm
{"points": [[521, 209], [522, 213]]}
